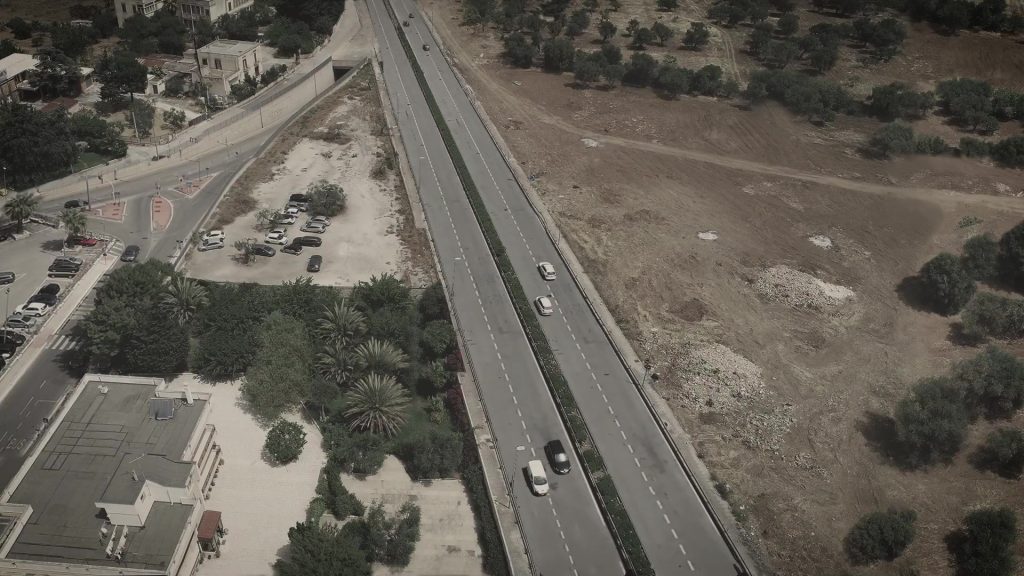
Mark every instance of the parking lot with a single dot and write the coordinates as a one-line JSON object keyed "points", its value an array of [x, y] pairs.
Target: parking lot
{"points": [[361, 242], [29, 258]]}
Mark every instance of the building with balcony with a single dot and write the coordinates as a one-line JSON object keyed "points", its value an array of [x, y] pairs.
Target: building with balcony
{"points": [[189, 10], [116, 485], [15, 69]]}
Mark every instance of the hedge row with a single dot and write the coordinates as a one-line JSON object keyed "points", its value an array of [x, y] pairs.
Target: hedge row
{"points": [[608, 498]]}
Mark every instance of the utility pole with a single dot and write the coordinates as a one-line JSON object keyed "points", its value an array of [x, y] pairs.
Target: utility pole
{"points": [[88, 197]]}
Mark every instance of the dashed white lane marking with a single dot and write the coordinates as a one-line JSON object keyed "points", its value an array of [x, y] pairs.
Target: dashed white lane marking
{"points": [[690, 564], [630, 446], [610, 411], [644, 474], [658, 502], [665, 516], [623, 433], [636, 461], [650, 489]]}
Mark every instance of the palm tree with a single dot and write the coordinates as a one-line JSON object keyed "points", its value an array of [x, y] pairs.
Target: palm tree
{"points": [[336, 363], [341, 323], [384, 291], [380, 356], [182, 299], [376, 404], [73, 220], [21, 207]]}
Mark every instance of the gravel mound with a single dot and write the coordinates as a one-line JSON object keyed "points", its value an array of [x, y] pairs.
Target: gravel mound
{"points": [[718, 379], [801, 290]]}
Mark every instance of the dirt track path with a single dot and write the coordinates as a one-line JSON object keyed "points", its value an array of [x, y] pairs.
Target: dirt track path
{"points": [[534, 111]]}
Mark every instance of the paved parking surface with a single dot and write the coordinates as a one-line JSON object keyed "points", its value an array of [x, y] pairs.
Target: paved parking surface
{"points": [[29, 258]]}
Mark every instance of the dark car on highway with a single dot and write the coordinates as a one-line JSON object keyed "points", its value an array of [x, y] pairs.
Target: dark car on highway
{"points": [[263, 250], [7, 278], [76, 204], [130, 253], [308, 241], [314, 263], [557, 456]]}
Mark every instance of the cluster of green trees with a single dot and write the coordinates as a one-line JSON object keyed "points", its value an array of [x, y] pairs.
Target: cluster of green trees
{"points": [[897, 138], [932, 421], [947, 284], [955, 15], [39, 146], [163, 32], [982, 546], [324, 550], [816, 98]]}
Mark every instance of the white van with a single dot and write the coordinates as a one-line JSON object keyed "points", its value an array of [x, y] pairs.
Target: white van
{"points": [[538, 478]]}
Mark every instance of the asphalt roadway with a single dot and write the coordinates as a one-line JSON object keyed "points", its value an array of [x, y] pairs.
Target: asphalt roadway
{"points": [[564, 530], [674, 526]]}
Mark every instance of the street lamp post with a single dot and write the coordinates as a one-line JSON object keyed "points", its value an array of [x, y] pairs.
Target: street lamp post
{"points": [[5, 177], [88, 196], [7, 308]]}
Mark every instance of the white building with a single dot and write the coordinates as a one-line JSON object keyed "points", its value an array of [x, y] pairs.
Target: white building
{"points": [[208, 10]]}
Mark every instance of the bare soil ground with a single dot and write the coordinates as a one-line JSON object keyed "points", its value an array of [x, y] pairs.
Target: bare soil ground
{"points": [[781, 340], [341, 141]]}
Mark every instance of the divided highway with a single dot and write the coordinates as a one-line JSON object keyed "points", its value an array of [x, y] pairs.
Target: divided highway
{"points": [[564, 530], [676, 529]]}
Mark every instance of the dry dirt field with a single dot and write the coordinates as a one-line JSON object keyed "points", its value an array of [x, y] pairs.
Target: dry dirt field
{"points": [[341, 141], [756, 257]]}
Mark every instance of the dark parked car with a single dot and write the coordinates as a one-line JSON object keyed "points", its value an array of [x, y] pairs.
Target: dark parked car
{"points": [[76, 204], [314, 263], [74, 260], [298, 198], [6, 278], [48, 299], [50, 289], [130, 253], [308, 241], [8, 348], [64, 270], [557, 456], [292, 248], [263, 250], [16, 337]]}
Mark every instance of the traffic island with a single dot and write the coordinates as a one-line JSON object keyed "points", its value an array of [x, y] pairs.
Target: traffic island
{"points": [[161, 212], [112, 211]]}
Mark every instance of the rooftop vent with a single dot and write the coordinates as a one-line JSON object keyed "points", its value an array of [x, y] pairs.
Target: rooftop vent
{"points": [[162, 408]]}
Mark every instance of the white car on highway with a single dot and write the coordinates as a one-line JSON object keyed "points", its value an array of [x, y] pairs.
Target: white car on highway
{"points": [[538, 477], [544, 305], [547, 270], [277, 236], [33, 309]]}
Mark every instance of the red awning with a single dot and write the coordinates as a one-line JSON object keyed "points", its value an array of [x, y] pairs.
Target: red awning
{"points": [[209, 525]]}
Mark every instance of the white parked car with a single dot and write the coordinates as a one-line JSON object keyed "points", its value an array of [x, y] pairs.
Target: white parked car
{"points": [[321, 220], [547, 271], [286, 219], [313, 227], [291, 211], [544, 305], [277, 236], [214, 245], [20, 322], [33, 309], [214, 236]]}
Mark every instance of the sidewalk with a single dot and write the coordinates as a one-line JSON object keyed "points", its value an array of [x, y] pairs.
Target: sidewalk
{"points": [[55, 321]]}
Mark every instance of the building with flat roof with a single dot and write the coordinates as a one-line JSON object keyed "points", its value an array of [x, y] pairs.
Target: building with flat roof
{"points": [[14, 69], [222, 63], [116, 486]]}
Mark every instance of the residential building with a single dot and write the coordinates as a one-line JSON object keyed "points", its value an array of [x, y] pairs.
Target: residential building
{"points": [[116, 485], [221, 64], [125, 9], [189, 10], [14, 69]]}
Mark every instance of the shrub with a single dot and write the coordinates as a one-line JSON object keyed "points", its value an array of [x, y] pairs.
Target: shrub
{"points": [[1003, 453], [931, 423], [974, 148], [354, 452], [984, 546], [816, 98], [697, 36], [335, 496], [992, 382], [641, 71], [945, 283], [1011, 249], [272, 73], [285, 441], [980, 258], [992, 316], [880, 536], [326, 199], [434, 454], [933, 145], [892, 139], [1009, 152], [438, 339], [243, 91], [558, 55], [519, 51]]}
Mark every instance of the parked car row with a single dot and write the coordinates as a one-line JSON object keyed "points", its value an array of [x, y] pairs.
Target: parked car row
{"points": [[26, 316], [297, 204]]}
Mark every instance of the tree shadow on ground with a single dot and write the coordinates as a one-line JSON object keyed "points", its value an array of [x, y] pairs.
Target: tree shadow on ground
{"points": [[911, 292], [879, 431], [53, 245]]}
